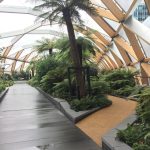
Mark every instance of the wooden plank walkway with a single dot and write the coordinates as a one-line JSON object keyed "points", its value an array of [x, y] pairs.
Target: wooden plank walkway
{"points": [[28, 121], [102, 121]]}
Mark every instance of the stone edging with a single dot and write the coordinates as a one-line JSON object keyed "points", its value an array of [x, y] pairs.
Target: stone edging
{"points": [[111, 142], [3, 94], [64, 107]]}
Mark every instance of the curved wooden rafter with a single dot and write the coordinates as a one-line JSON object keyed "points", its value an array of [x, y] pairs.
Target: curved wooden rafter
{"points": [[15, 61]]}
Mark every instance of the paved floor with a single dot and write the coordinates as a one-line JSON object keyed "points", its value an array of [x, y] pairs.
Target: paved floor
{"points": [[28, 121], [99, 123]]}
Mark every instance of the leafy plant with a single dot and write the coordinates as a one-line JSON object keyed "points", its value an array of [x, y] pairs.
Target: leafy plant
{"points": [[44, 45], [61, 89], [120, 81], [124, 91], [141, 147], [4, 84], [138, 135], [143, 108], [133, 134], [2, 87], [90, 102], [34, 82], [100, 87]]}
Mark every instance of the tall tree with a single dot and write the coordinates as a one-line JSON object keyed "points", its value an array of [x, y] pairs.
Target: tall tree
{"points": [[67, 11]]}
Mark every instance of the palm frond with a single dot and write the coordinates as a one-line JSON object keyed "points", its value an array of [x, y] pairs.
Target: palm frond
{"points": [[44, 45]]}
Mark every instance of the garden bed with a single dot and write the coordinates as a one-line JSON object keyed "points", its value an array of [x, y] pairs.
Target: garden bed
{"points": [[110, 141], [137, 135], [64, 107]]}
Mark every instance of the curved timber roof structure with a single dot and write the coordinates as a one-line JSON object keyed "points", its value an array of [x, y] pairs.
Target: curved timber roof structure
{"points": [[122, 40]]}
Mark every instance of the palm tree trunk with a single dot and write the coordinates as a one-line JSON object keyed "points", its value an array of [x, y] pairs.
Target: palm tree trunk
{"points": [[75, 53], [50, 51]]}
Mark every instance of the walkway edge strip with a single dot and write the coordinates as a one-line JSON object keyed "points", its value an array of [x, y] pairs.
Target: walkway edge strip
{"points": [[111, 142], [64, 107], [3, 94]]}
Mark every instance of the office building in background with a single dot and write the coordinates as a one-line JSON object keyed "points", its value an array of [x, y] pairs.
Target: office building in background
{"points": [[141, 13]]}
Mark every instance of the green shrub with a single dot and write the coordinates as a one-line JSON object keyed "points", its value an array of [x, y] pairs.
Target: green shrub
{"points": [[118, 84], [33, 82], [141, 147], [121, 74], [89, 103], [100, 87], [9, 83], [61, 89], [133, 134], [4, 84], [138, 134], [53, 76], [2, 87], [143, 109], [43, 66], [147, 138], [124, 91], [137, 90]]}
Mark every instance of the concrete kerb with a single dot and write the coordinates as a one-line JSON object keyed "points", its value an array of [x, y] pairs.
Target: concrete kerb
{"points": [[64, 107], [110, 140], [3, 94]]}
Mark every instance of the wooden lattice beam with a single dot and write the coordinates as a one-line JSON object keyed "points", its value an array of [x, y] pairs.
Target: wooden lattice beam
{"points": [[124, 55], [104, 25], [147, 2], [106, 13], [125, 45], [134, 43], [117, 59], [115, 10]]}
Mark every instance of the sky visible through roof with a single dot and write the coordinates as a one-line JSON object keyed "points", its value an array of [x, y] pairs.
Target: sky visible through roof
{"points": [[14, 22]]}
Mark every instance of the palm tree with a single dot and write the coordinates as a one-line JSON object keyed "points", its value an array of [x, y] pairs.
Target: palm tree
{"points": [[44, 45], [85, 48], [67, 11]]}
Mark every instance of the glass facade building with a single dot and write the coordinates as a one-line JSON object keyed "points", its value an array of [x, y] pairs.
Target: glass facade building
{"points": [[141, 13]]}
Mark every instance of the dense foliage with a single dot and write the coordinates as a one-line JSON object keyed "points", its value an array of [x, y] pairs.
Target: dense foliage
{"points": [[138, 134], [90, 102], [20, 75], [4, 84], [52, 76], [120, 82]]}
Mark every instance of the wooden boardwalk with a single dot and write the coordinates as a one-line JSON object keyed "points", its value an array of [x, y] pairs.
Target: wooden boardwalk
{"points": [[28, 121]]}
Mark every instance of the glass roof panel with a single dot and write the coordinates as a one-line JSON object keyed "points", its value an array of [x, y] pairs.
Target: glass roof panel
{"points": [[18, 64], [5, 42], [113, 24], [147, 22], [88, 21], [17, 3], [29, 40], [125, 4], [146, 47], [98, 3], [15, 21], [116, 51], [123, 35]]}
